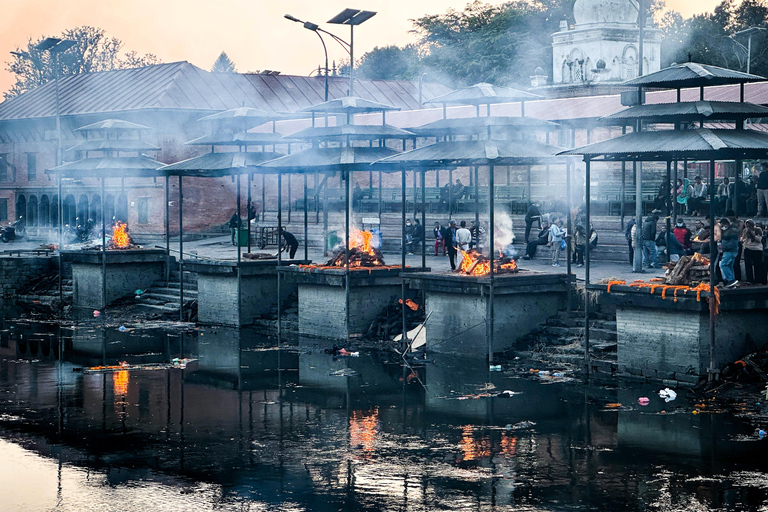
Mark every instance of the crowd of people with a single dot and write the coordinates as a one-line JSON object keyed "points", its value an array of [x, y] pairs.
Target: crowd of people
{"points": [[739, 244]]}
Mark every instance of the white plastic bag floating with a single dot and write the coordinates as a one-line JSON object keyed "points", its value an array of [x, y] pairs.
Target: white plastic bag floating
{"points": [[667, 394], [417, 337]]}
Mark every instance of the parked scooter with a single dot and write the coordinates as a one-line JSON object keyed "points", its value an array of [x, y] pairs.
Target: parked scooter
{"points": [[13, 231]]}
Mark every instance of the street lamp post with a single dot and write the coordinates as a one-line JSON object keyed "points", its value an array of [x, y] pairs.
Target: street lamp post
{"points": [[316, 29], [749, 32]]}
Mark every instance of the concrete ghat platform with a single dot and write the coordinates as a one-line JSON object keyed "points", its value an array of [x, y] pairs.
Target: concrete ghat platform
{"points": [[322, 297], [127, 271], [219, 300], [458, 307], [661, 338]]}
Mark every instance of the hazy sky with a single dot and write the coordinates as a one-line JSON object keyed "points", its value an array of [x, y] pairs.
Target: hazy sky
{"points": [[252, 32]]}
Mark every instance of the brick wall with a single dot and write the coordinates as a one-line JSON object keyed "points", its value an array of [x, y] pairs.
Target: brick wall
{"points": [[16, 272]]}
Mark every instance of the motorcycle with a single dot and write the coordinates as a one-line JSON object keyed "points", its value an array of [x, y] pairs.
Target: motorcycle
{"points": [[12, 231]]}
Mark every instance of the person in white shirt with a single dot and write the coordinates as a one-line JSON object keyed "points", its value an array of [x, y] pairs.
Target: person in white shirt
{"points": [[556, 234], [698, 196], [463, 237]]}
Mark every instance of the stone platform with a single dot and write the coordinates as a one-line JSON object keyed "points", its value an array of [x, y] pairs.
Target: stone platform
{"points": [[322, 297], [217, 289], [457, 307], [666, 339], [126, 271]]}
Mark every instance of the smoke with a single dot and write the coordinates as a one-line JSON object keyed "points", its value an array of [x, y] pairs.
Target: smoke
{"points": [[503, 233]]}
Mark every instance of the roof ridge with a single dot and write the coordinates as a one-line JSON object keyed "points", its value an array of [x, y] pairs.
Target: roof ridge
{"points": [[712, 139]]}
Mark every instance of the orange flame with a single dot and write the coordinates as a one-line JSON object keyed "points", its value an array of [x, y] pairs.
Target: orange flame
{"points": [[120, 237], [362, 240], [474, 264]]}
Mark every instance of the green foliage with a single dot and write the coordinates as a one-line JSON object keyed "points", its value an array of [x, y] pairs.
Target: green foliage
{"points": [[390, 63], [223, 64], [93, 51]]}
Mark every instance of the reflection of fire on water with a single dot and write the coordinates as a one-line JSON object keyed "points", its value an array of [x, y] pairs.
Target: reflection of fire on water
{"points": [[474, 263], [120, 382], [120, 238], [363, 429]]}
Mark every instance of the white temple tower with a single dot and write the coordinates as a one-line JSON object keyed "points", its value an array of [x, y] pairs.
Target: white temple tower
{"points": [[603, 46]]}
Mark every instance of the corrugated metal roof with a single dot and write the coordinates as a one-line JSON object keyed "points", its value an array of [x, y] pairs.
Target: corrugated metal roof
{"points": [[218, 164], [353, 131], [114, 145], [348, 105], [477, 152], [482, 94], [475, 125], [112, 125], [181, 85], [687, 111], [108, 166], [239, 139], [692, 74], [256, 115], [665, 145], [313, 159]]}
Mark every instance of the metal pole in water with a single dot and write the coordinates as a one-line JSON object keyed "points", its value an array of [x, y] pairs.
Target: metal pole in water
{"points": [[492, 253], [103, 252], [586, 270], [402, 259]]}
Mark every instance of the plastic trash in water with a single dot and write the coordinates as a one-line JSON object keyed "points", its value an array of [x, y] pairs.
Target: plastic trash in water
{"points": [[643, 400], [667, 394], [139, 292], [558, 374], [761, 433], [96, 313], [495, 367], [122, 328]]}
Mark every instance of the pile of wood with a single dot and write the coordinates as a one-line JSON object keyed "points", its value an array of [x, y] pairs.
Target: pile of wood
{"points": [[689, 271], [259, 256], [389, 322], [43, 285], [357, 258]]}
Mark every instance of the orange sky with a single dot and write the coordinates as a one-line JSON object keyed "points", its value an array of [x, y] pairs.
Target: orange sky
{"points": [[252, 32]]}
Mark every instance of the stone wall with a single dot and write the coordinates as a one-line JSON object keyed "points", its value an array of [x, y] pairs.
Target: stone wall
{"points": [[122, 280], [16, 272]]}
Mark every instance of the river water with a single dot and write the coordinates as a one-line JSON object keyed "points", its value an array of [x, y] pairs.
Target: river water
{"points": [[250, 426]]}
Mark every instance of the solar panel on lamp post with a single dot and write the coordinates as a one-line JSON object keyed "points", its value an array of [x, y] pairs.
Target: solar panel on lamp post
{"points": [[352, 17]]}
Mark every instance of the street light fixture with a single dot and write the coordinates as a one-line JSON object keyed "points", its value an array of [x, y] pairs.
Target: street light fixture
{"points": [[316, 29], [352, 17], [749, 32]]}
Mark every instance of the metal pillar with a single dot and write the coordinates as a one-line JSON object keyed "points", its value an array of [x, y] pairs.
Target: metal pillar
{"points": [[402, 259], [103, 251], [279, 252], [492, 253], [61, 247], [569, 237], [477, 196], [711, 375], [347, 186], [668, 222], [672, 194], [306, 231], [248, 211], [638, 263], [623, 183], [239, 250], [181, 251], [424, 218], [167, 232], [586, 270]]}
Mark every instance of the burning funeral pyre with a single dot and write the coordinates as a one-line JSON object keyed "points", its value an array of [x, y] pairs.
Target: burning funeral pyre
{"points": [[120, 239], [474, 263], [361, 252]]}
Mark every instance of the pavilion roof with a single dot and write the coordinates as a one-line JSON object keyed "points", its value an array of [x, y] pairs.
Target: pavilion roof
{"points": [[478, 152], [692, 74]]}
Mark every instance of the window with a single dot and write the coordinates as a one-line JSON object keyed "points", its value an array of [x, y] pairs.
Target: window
{"points": [[3, 166], [3, 210], [143, 204], [31, 166]]}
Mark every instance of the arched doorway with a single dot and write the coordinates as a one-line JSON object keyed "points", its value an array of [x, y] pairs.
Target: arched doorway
{"points": [[32, 211], [45, 211], [55, 210], [121, 209], [21, 207], [70, 211], [96, 210], [82, 210], [109, 208]]}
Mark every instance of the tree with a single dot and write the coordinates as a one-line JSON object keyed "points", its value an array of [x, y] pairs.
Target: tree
{"points": [[93, 51], [390, 63], [223, 64]]}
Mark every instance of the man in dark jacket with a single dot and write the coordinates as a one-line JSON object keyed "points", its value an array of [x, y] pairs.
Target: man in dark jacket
{"points": [[628, 237], [234, 223], [762, 191], [291, 244], [532, 215], [418, 235], [649, 239], [450, 242], [542, 239], [729, 249]]}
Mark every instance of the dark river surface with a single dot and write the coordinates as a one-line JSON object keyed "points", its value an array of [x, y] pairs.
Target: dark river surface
{"points": [[250, 426]]}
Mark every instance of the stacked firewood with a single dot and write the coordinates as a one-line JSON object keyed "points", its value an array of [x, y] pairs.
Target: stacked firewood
{"points": [[689, 271], [389, 322], [357, 258]]}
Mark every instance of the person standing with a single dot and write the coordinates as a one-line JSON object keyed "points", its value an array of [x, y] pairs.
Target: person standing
{"points": [[723, 192], [457, 193], [418, 235], [649, 239], [463, 237], [449, 235], [762, 191], [752, 244], [234, 224], [291, 244], [409, 229], [532, 215], [439, 239], [728, 247], [580, 242], [628, 238], [698, 196], [556, 234], [683, 235]]}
